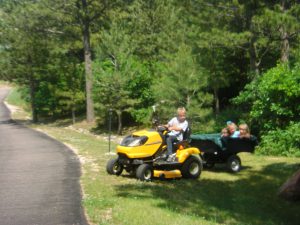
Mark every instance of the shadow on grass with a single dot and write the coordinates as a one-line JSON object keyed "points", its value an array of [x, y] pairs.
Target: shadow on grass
{"points": [[222, 167], [63, 122], [15, 123], [50, 122], [251, 200]]}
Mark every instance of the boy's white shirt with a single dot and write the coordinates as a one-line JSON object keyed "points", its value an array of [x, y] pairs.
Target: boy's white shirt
{"points": [[175, 122]]}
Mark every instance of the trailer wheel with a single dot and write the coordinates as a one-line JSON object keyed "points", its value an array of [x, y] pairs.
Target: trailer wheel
{"points": [[114, 167], [192, 168], [234, 163], [144, 172]]}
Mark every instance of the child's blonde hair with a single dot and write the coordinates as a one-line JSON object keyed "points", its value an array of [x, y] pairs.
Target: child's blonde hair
{"points": [[181, 109], [245, 127]]}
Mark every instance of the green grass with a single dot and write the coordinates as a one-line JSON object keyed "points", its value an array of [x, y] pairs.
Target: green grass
{"points": [[22, 110], [14, 98], [217, 197], [3, 83]]}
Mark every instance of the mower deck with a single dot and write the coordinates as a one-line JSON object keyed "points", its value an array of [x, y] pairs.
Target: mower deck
{"points": [[163, 174]]}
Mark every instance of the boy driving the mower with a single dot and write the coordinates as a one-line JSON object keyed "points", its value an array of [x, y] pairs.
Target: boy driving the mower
{"points": [[176, 126]]}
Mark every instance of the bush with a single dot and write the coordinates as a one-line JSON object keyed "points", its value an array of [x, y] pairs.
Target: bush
{"points": [[281, 142], [232, 113], [272, 98]]}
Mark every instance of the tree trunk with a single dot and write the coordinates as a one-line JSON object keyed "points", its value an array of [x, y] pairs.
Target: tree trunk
{"points": [[188, 101], [254, 66], [217, 100], [73, 115], [119, 114], [32, 100], [90, 115], [285, 45]]}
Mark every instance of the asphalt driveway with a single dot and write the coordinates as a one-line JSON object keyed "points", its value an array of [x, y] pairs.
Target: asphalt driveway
{"points": [[39, 177]]}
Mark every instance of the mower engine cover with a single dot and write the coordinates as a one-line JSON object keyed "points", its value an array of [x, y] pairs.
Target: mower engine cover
{"points": [[141, 144]]}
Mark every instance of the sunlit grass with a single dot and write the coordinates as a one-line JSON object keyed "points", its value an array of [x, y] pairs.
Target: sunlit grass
{"points": [[218, 197], [3, 83], [21, 109]]}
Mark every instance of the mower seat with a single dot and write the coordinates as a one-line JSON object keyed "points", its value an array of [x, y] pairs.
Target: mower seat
{"points": [[185, 140]]}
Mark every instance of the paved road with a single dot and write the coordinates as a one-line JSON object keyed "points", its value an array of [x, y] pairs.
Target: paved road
{"points": [[39, 177]]}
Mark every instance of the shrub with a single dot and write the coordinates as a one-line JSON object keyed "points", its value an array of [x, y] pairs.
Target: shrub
{"points": [[271, 98], [281, 142]]}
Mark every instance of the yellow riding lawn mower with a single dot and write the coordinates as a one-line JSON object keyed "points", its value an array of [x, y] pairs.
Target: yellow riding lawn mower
{"points": [[143, 154]]}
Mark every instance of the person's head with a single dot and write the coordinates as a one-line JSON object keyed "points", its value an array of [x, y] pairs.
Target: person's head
{"points": [[181, 114], [244, 129], [231, 127], [225, 132]]}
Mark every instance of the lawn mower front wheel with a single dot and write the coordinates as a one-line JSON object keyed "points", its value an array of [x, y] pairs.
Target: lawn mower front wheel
{"points": [[114, 167], [144, 172]]}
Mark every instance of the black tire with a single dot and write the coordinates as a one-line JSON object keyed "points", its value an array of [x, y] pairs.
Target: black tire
{"points": [[114, 167], [234, 164], [192, 168], [144, 172]]}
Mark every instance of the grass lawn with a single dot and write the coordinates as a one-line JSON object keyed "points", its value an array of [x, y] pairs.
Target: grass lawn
{"points": [[217, 197]]}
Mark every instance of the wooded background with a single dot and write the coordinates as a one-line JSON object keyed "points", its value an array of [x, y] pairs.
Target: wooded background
{"points": [[222, 60]]}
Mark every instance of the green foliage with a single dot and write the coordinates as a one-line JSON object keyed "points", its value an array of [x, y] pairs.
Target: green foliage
{"points": [[210, 49], [183, 83], [155, 28], [124, 88], [17, 97], [118, 48], [140, 89], [281, 142], [42, 58], [234, 114], [272, 98], [111, 86], [69, 90], [122, 82]]}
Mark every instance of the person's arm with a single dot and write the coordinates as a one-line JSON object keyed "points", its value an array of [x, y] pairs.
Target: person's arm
{"points": [[175, 128], [180, 128]]}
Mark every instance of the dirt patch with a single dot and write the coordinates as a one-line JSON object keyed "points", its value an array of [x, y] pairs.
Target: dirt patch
{"points": [[113, 138], [12, 108]]}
